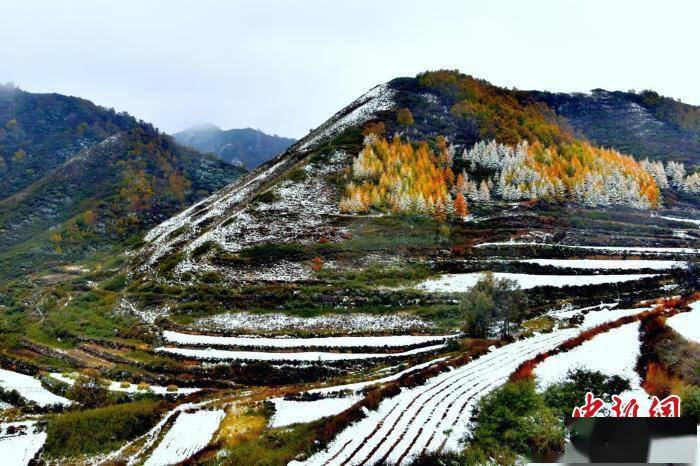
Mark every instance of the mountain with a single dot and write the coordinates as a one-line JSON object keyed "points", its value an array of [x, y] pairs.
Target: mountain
{"points": [[39, 132], [88, 178], [302, 196], [247, 147]]}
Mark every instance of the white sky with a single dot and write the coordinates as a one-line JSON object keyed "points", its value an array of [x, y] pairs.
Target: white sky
{"points": [[286, 66]]}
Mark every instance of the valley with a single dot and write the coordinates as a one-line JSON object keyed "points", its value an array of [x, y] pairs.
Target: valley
{"points": [[370, 295]]}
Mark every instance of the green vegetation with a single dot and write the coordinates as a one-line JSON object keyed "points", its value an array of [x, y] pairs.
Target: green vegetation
{"points": [[514, 420], [38, 132], [690, 402], [273, 447], [492, 302], [685, 116], [99, 430], [564, 396]]}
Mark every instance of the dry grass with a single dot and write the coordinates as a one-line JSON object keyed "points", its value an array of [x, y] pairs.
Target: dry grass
{"points": [[240, 425]]}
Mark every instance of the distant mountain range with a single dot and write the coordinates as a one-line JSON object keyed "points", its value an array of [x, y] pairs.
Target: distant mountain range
{"points": [[247, 147]]}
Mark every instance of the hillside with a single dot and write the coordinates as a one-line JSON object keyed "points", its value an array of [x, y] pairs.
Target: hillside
{"points": [[247, 147], [644, 124], [78, 188], [39, 132], [302, 196]]}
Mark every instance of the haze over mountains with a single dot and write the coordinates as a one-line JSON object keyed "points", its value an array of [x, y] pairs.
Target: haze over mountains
{"points": [[247, 147]]}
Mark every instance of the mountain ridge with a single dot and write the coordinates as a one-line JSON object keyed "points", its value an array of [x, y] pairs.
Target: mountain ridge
{"points": [[445, 103], [245, 146], [96, 183]]}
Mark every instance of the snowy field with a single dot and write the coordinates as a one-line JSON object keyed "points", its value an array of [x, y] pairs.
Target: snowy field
{"points": [[460, 282], [307, 356], [355, 387], [30, 388], [131, 388], [328, 342], [433, 415], [190, 433], [289, 412], [680, 219], [147, 441], [608, 264], [687, 323], [620, 249], [19, 449], [346, 323], [598, 315], [614, 352]]}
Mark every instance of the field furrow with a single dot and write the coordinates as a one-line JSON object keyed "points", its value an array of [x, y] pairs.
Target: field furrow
{"points": [[409, 423]]}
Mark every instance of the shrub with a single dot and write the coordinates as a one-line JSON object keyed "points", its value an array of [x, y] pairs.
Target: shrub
{"points": [[12, 397], [99, 430], [143, 386], [690, 402], [171, 388], [659, 382], [211, 278], [267, 197], [89, 392], [492, 301], [203, 248], [567, 394], [514, 420]]}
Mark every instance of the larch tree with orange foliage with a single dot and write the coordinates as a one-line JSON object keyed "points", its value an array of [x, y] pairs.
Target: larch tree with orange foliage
{"points": [[460, 206], [398, 176]]}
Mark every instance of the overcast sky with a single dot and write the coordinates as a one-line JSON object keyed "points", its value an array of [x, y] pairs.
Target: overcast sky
{"points": [[286, 66]]}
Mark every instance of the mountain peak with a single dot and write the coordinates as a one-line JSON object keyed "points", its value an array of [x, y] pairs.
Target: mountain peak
{"points": [[201, 127], [247, 146]]}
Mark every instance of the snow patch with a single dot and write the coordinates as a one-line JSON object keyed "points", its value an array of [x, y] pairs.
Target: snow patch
{"points": [[622, 249], [687, 324], [379, 98], [19, 448], [614, 352], [346, 323], [289, 412], [327, 342], [190, 433], [30, 389], [130, 387], [461, 282], [607, 264], [680, 219], [355, 387], [310, 356]]}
